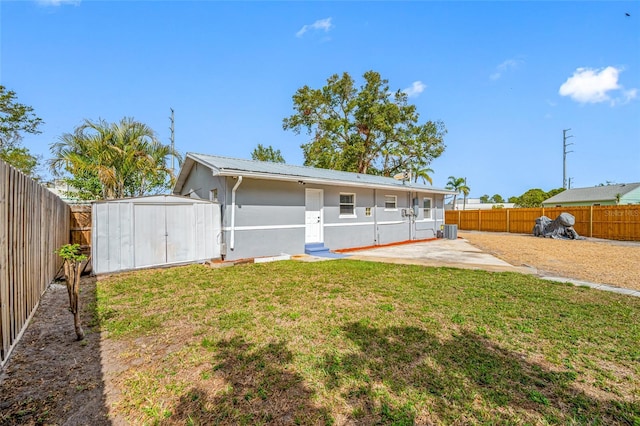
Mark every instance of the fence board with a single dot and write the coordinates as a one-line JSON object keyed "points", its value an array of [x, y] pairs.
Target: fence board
{"points": [[451, 217], [610, 222], [617, 222], [81, 225], [493, 220], [33, 223], [4, 261], [470, 220]]}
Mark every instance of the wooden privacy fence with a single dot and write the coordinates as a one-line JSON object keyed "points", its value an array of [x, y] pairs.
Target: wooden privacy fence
{"points": [[33, 224], [610, 222], [81, 225]]}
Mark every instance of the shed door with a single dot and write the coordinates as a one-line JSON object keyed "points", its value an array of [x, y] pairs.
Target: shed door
{"points": [[313, 216], [180, 232], [131, 235], [149, 235]]}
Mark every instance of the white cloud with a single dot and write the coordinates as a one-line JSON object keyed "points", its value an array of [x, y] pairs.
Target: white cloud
{"points": [[628, 95], [58, 2], [588, 85], [320, 24], [508, 65], [416, 88]]}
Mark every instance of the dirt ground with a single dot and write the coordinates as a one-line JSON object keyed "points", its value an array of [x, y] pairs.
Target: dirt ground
{"points": [[615, 263], [52, 379]]}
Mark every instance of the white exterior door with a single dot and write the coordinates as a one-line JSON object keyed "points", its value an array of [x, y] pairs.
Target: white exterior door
{"points": [[313, 216]]}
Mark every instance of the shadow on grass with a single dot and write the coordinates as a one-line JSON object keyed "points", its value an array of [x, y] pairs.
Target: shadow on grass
{"points": [[51, 378], [259, 389], [467, 377]]}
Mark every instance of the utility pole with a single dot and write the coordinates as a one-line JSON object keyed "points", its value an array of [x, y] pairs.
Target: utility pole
{"points": [[564, 156], [570, 179], [173, 141]]}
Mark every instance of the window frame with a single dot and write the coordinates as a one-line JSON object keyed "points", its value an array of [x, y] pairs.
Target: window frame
{"points": [[395, 203], [352, 204], [430, 209]]}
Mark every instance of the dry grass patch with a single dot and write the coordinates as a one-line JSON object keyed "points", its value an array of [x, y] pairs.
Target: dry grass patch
{"points": [[605, 262]]}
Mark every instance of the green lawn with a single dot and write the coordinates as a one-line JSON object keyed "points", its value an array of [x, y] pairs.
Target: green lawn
{"points": [[369, 343]]}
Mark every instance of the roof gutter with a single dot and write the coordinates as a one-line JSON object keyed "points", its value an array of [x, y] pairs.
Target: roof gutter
{"points": [[269, 176], [232, 239]]}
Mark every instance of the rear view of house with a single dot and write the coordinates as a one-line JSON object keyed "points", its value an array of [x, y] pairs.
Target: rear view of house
{"points": [[272, 208]]}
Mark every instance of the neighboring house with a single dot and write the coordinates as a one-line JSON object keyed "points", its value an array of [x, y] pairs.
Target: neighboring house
{"points": [[475, 204], [274, 208], [64, 191], [606, 195]]}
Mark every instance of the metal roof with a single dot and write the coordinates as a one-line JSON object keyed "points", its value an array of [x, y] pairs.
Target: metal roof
{"points": [[225, 166], [593, 193], [155, 199]]}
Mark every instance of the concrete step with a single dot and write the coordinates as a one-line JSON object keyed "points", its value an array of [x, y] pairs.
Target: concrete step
{"points": [[318, 249], [315, 248]]}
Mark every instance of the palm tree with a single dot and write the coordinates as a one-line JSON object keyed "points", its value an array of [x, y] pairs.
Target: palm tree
{"points": [[460, 186], [423, 173], [126, 159], [83, 156]]}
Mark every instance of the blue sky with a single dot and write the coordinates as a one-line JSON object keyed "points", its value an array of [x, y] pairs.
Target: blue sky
{"points": [[505, 77]]}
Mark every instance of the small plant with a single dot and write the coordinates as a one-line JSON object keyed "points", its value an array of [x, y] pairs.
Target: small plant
{"points": [[72, 261], [71, 252]]}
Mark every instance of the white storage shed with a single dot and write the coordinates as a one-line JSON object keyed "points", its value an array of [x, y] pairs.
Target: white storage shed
{"points": [[158, 230]]}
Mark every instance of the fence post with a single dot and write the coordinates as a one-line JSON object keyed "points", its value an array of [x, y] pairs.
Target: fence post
{"points": [[459, 219], [591, 221], [479, 220], [508, 210]]}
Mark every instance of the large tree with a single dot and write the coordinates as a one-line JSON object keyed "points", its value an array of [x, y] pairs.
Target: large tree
{"points": [[113, 160], [20, 158], [15, 120], [497, 198], [267, 153], [534, 197], [365, 130], [459, 185]]}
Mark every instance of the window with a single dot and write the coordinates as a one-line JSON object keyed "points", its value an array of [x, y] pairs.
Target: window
{"points": [[213, 195], [347, 204], [367, 211], [390, 202], [426, 208]]}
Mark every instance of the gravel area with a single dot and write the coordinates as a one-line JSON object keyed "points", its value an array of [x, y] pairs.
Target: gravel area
{"points": [[615, 263]]}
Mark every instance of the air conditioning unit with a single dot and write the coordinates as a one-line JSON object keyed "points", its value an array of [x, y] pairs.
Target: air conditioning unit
{"points": [[451, 232]]}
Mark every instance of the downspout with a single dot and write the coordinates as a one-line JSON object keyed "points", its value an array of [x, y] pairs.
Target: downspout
{"points": [[414, 217], [232, 239], [410, 210], [375, 218]]}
